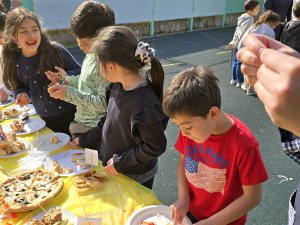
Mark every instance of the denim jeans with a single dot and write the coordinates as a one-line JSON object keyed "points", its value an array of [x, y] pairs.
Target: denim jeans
{"points": [[236, 68]]}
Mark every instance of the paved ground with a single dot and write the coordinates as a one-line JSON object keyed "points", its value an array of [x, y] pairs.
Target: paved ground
{"points": [[183, 50]]}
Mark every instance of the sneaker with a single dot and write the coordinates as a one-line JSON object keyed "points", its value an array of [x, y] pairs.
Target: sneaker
{"points": [[250, 91], [233, 82], [244, 87], [239, 85]]}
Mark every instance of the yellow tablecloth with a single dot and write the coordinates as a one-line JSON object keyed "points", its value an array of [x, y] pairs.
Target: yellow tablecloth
{"points": [[119, 198]]}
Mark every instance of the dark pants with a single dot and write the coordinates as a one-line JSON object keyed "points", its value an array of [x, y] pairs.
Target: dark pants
{"points": [[297, 206], [236, 68], [149, 183], [191, 217], [60, 123]]}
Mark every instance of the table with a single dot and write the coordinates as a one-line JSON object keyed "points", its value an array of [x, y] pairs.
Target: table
{"points": [[119, 198]]}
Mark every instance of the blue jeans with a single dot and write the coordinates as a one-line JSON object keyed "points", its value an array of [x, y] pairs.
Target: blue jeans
{"points": [[236, 68]]}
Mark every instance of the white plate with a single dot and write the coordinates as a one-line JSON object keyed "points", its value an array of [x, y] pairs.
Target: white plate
{"points": [[9, 101], [27, 148], [160, 214], [64, 159], [27, 108], [72, 218], [43, 142], [31, 125]]}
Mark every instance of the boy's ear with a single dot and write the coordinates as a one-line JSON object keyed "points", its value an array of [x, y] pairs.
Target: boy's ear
{"points": [[214, 112]]}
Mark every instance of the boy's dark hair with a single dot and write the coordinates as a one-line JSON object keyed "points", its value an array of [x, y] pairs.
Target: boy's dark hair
{"points": [[90, 17], [296, 9], [192, 92], [2, 21], [250, 5]]}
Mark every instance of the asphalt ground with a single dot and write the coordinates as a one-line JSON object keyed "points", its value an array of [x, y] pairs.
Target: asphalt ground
{"points": [[184, 50]]}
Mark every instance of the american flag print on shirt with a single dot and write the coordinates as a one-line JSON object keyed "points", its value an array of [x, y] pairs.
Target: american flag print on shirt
{"points": [[205, 177]]}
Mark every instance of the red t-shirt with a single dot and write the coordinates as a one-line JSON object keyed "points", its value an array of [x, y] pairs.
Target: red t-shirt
{"points": [[217, 169]]}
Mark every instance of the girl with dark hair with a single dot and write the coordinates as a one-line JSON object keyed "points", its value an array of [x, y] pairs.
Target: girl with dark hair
{"points": [[27, 55], [132, 137]]}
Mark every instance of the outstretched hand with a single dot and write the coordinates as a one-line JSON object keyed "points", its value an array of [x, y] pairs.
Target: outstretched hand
{"points": [[57, 77], [274, 68], [57, 91], [22, 99]]}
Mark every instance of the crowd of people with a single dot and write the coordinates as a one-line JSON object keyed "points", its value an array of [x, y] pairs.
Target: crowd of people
{"points": [[111, 103]]}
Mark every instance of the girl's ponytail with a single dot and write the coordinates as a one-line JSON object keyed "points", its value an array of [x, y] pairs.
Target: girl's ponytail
{"points": [[156, 77]]}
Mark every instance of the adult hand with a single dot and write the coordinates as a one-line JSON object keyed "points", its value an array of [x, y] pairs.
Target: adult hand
{"points": [[178, 211], [57, 91], [3, 95], [110, 168], [57, 77], [277, 70], [22, 99]]}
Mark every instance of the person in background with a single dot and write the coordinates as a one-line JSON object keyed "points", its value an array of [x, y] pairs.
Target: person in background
{"points": [[131, 138], [264, 25], [244, 23], [86, 91], [278, 87], [219, 161], [283, 8], [27, 55], [6, 4], [291, 31], [4, 92]]}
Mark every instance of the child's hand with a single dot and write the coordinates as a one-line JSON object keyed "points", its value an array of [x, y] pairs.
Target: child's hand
{"points": [[22, 99], [178, 211], [232, 44], [57, 91], [75, 143], [110, 169], [57, 77], [3, 95]]}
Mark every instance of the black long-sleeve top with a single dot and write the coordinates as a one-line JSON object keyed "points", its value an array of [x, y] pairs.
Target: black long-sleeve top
{"points": [[133, 131]]}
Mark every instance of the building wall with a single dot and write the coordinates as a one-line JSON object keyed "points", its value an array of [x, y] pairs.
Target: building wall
{"points": [[145, 17]]}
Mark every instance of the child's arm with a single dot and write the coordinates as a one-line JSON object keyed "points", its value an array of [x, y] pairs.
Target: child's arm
{"points": [[71, 66], [181, 206], [241, 206]]}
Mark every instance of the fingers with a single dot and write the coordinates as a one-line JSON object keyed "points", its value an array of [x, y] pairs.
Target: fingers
{"points": [[248, 57], [272, 59]]}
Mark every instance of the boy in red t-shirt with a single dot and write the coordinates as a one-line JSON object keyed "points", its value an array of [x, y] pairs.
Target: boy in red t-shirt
{"points": [[220, 170]]}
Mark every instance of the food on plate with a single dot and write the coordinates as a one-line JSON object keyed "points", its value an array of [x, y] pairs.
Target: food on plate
{"points": [[89, 181], [11, 147], [30, 190], [17, 125], [147, 223], [12, 136], [58, 168], [12, 112], [52, 216], [54, 140], [77, 156]]}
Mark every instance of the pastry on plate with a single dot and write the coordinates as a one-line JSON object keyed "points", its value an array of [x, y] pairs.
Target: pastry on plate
{"points": [[12, 112], [17, 125]]}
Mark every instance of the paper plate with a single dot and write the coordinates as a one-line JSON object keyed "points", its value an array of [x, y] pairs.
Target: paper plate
{"points": [[31, 125], [43, 142], [64, 159], [72, 218], [27, 148], [9, 101], [158, 214], [28, 108]]}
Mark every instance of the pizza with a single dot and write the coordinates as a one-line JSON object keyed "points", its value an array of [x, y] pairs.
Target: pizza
{"points": [[30, 190]]}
